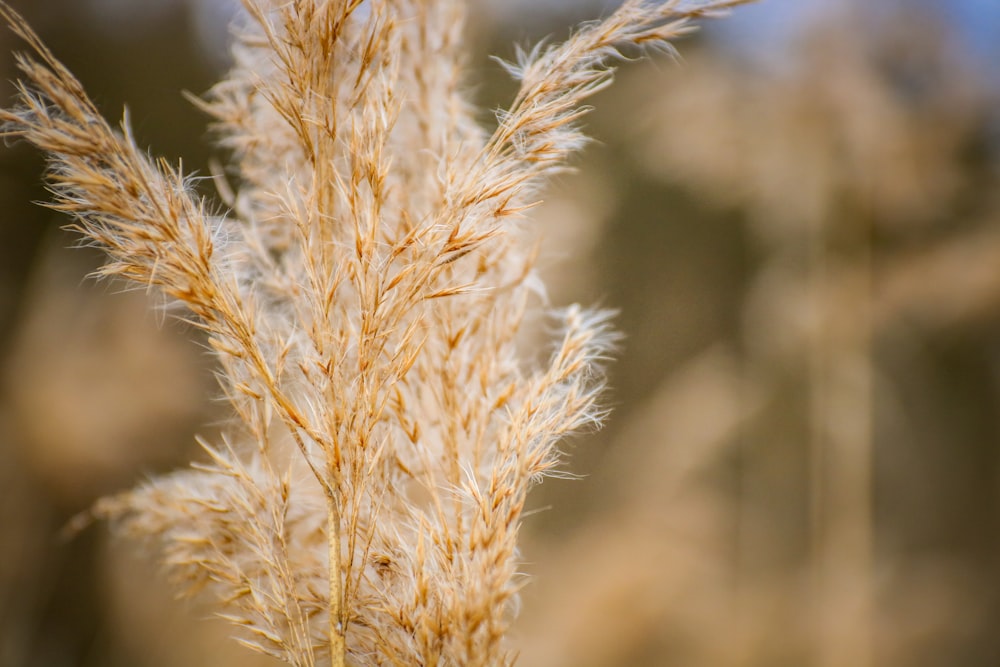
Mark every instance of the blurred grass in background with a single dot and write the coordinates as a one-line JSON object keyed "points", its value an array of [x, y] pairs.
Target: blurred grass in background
{"points": [[803, 240]]}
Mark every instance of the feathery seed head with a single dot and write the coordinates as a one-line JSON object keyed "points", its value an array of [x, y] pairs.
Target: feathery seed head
{"points": [[362, 296]]}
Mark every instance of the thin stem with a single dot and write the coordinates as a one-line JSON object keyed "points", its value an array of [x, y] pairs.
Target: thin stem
{"points": [[338, 648]]}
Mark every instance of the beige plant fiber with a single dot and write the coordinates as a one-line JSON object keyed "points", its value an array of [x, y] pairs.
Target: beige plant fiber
{"points": [[362, 294]]}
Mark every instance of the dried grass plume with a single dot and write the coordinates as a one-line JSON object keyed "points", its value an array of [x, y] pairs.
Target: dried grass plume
{"points": [[362, 294]]}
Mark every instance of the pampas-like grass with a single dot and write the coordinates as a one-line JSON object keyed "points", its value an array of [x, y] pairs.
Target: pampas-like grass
{"points": [[362, 295]]}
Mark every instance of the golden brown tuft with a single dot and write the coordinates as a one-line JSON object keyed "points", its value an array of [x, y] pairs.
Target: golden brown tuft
{"points": [[362, 296]]}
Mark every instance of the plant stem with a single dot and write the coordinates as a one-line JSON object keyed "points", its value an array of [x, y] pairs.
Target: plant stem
{"points": [[337, 644]]}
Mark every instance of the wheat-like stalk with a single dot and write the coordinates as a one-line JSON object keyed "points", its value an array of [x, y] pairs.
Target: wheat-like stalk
{"points": [[363, 296]]}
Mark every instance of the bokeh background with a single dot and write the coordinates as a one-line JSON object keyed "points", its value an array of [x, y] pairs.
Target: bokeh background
{"points": [[799, 222]]}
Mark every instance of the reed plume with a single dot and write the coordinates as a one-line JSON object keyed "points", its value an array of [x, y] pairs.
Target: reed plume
{"points": [[363, 294]]}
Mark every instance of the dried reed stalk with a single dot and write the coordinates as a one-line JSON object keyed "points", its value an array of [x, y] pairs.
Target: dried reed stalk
{"points": [[362, 296]]}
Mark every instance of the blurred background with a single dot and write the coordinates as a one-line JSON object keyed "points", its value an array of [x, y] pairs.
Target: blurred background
{"points": [[799, 222]]}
